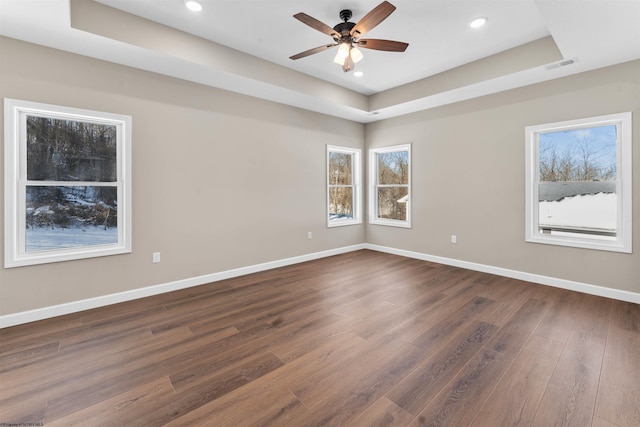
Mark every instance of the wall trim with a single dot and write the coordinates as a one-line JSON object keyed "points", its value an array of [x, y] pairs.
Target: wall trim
{"points": [[101, 301], [515, 274]]}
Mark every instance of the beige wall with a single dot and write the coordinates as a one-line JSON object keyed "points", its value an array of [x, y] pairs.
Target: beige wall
{"points": [[468, 177], [220, 180]]}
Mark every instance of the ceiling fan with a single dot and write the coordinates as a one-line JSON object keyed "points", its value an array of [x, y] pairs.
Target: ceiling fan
{"points": [[346, 35]]}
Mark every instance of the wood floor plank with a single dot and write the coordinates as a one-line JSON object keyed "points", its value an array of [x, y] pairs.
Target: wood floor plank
{"points": [[237, 314], [593, 316], [419, 387], [39, 382], [343, 405], [251, 405], [361, 365], [291, 345], [460, 401], [515, 398], [287, 311], [130, 408], [186, 376], [104, 340], [122, 313], [363, 338], [599, 422], [64, 404], [618, 400], [39, 378], [321, 361], [382, 321], [443, 330], [34, 333], [509, 297], [422, 321], [570, 397], [625, 315], [294, 374], [383, 413], [23, 411], [558, 323], [423, 283], [234, 349], [211, 388], [29, 355]]}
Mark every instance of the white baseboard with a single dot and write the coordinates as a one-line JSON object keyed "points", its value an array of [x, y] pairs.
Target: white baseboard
{"points": [[514, 274], [86, 304]]}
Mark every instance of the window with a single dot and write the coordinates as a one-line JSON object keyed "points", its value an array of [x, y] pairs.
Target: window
{"points": [[390, 186], [67, 186], [578, 183], [344, 196]]}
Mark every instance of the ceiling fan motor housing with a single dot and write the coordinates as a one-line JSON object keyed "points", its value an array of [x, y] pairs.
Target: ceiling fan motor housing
{"points": [[344, 29]]}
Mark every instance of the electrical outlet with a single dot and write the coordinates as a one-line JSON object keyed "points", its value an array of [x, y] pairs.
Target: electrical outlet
{"points": [[156, 257], [309, 235], [454, 238]]}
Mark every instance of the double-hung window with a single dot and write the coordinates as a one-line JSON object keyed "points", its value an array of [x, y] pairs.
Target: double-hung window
{"points": [[578, 183], [344, 195], [67, 183], [390, 186]]}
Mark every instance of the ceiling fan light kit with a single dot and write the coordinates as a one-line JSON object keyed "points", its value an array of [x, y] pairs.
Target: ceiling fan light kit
{"points": [[346, 35], [343, 51], [355, 54]]}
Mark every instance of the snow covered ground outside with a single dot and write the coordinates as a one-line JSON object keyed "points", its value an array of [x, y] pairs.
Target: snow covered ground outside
{"points": [[45, 238], [593, 211]]}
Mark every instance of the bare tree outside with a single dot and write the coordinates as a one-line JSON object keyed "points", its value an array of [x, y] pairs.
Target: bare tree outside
{"points": [[340, 185], [577, 182], [576, 156], [393, 184], [71, 169]]}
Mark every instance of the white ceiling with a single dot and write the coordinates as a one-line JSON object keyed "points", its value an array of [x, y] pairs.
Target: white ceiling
{"points": [[436, 30], [263, 34]]}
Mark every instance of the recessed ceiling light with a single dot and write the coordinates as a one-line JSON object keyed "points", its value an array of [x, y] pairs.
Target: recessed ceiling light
{"points": [[478, 22], [358, 73], [193, 5]]}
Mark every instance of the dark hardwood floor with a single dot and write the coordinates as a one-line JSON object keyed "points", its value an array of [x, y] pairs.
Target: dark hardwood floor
{"points": [[362, 339]]}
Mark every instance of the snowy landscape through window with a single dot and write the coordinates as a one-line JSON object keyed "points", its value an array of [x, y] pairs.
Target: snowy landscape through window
{"points": [[67, 193], [575, 191]]}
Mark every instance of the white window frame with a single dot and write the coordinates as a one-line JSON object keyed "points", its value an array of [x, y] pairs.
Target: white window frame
{"points": [[623, 241], [15, 165], [374, 217], [356, 185]]}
